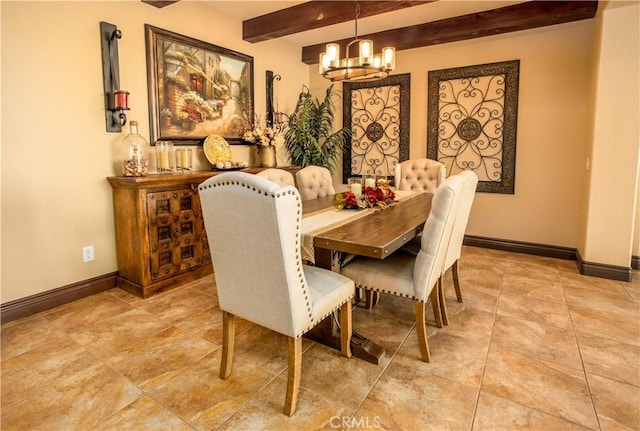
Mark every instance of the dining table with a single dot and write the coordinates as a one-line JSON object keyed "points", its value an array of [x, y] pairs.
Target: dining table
{"points": [[332, 236]]}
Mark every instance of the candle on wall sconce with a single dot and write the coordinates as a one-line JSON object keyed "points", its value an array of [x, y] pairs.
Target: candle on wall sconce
{"points": [[122, 99]]}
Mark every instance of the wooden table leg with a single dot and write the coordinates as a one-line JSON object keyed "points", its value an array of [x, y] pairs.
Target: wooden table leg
{"points": [[327, 332]]}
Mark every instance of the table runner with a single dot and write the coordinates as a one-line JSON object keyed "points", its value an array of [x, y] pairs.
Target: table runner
{"points": [[331, 218]]}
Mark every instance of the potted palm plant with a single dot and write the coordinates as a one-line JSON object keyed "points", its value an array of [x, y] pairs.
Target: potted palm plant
{"points": [[309, 138]]}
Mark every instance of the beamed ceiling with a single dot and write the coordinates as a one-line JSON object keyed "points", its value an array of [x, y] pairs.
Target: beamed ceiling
{"points": [[317, 14]]}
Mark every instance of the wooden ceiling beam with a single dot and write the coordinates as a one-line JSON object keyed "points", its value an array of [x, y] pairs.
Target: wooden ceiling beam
{"points": [[160, 3], [521, 16], [314, 14]]}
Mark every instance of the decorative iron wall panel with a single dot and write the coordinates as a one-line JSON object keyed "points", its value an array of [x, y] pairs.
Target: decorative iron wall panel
{"points": [[472, 122], [378, 115]]}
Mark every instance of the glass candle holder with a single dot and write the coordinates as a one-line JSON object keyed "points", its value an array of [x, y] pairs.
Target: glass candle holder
{"points": [[184, 160], [369, 181], [355, 185], [164, 156]]}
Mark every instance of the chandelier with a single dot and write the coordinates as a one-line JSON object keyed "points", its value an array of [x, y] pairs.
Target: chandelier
{"points": [[366, 67]]}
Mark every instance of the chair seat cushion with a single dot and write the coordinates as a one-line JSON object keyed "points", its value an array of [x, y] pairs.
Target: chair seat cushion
{"points": [[327, 289], [393, 275]]}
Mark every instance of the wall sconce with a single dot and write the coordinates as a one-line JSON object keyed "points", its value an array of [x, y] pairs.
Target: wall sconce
{"points": [[116, 100], [274, 118]]}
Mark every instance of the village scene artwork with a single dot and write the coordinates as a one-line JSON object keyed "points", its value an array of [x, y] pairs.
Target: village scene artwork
{"points": [[202, 92]]}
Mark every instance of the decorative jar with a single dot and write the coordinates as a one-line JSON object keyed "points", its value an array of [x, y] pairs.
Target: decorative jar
{"points": [[135, 161]]}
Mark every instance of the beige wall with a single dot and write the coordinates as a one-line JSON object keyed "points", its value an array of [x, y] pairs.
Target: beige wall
{"points": [[56, 153], [613, 146], [552, 124]]}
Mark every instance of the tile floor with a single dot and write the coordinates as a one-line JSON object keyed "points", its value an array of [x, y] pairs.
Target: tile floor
{"points": [[534, 346]]}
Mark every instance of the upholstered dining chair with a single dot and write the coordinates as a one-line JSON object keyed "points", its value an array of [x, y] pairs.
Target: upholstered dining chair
{"points": [[454, 251], [278, 176], [251, 219], [415, 276], [314, 182], [422, 175]]}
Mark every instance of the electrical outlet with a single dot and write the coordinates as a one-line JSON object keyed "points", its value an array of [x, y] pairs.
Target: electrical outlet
{"points": [[87, 254]]}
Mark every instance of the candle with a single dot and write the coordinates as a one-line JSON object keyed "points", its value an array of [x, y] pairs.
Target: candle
{"points": [[164, 159], [370, 182], [356, 189], [179, 156]]}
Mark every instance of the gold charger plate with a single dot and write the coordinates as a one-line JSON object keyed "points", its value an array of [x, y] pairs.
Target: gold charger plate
{"points": [[217, 149]]}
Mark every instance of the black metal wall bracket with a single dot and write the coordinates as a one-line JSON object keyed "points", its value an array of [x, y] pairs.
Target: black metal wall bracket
{"points": [[271, 120], [115, 100]]}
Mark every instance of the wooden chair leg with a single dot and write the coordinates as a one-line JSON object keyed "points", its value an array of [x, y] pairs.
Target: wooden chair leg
{"points": [[293, 375], [437, 311], [345, 329], [228, 343], [421, 329], [371, 299], [368, 296], [456, 280], [443, 301]]}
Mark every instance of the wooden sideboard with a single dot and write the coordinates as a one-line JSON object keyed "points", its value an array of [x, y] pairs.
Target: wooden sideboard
{"points": [[160, 236]]}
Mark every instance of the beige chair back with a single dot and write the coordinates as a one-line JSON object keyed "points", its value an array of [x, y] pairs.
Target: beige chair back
{"points": [[467, 195], [314, 182], [278, 176], [422, 175]]}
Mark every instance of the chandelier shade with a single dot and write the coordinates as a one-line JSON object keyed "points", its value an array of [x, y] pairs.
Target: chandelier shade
{"points": [[364, 66]]}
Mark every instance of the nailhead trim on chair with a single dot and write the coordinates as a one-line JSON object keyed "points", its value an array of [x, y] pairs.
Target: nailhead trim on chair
{"points": [[375, 289]]}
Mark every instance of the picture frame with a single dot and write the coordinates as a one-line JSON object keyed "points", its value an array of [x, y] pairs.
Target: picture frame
{"points": [[378, 114], [196, 89], [472, 122]]}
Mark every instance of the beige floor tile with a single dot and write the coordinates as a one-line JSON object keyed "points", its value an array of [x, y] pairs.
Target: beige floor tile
{"points": [[476, 295], [264, 411], [452, 357], [546, 262], [536, 310], [612, 299], [530, 288], [498, 414], [114, 334], [175, 304], [200, 397], [86, 311], [610, 358], [467, 321], [346, 381], [541, 385], [34, 372], [114, 361], [535, 270], [536, 340], [79, 402], [23, 335], [408, 398], [208, 324], [617, 403], [621, 326], [144, 414], [160, 357], [265, 348]]}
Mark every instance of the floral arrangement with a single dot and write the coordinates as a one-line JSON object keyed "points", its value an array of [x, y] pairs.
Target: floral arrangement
{"points": [[263, 137], [380, 196]]}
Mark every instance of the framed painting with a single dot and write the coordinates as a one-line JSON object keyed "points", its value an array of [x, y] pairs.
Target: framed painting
{"points": [[472, 122], [378, 115], [196, 89]]}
